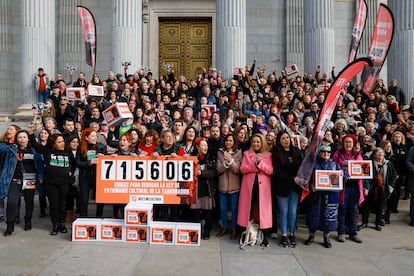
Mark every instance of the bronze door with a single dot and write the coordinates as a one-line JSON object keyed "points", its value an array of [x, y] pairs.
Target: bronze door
{"points": [[186, 45]]}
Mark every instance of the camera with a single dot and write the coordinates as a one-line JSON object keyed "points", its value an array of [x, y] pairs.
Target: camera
{"points": [[126, 63], [167, 66], [71, 67], [40, 107]]}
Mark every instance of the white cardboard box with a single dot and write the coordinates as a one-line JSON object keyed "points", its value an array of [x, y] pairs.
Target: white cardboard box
{"points": [[116, 114], [112, 230], [75, 93], [137, 234], [162, 232], [138, 214], [187, 234], [86, 229], [95, 90]]}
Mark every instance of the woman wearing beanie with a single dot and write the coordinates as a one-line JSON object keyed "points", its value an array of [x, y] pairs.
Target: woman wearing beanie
{"points": [[322, 211]]}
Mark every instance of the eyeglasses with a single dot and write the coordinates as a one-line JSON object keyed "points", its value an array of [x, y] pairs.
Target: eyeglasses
{"points": [[325, 151]]}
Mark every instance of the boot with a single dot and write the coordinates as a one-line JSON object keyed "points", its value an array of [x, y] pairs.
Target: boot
{"points": [[27, 223], [62, 227], [69, 216], [310, 239], [326, 241], [9, 229], [55, 229]]}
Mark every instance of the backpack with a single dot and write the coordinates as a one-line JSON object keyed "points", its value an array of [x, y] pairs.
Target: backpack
{"points": [[252, 236]]}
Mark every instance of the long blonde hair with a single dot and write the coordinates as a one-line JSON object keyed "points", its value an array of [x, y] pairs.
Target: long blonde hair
{"points": [[265, 145]]}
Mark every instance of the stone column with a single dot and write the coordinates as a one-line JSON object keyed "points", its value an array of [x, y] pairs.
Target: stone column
{"points": [[126, 34], [319, 35], [230, 35], [294, 32], [38, 44], [400, 57]]}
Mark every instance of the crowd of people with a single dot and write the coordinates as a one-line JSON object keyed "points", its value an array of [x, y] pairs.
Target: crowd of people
{"points": [[249, 134]]}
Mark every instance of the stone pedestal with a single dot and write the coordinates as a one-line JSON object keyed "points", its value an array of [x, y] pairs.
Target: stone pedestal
{"points": [[230, 35]]}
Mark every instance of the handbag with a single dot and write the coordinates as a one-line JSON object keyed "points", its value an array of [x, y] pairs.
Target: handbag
{"points": [[29, 181]]}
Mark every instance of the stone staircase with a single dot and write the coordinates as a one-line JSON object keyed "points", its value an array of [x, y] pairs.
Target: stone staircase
{"points": [[22, 117]]}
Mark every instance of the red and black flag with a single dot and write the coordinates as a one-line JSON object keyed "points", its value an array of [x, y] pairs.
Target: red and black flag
{"points": [[89, 35]]}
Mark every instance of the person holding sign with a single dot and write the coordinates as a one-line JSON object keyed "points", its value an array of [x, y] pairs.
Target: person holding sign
{"points": [[255, 201], [22, 168], [352, 195], [322, 208], [90, 149]]}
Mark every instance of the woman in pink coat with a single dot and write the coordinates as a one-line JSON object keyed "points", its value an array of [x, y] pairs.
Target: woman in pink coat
{"points": [[255, 201]]}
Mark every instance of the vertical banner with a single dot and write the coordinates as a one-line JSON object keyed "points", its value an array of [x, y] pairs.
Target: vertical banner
{"points": [[347, 74], [89, 35], [357, 31], [378, 50]]}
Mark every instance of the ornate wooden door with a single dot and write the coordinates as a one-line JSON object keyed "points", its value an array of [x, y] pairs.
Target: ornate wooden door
{"points": [[185, 44]]}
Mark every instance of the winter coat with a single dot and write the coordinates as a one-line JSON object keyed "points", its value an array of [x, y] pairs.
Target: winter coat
{"points": [[322, 206], [410, 166], [264, 169], [341, 157], [207, 180], [390, 177], [229, 174], [10, 152]]}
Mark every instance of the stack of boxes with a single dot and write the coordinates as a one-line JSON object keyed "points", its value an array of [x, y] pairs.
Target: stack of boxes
{"points": [[137, 227]]}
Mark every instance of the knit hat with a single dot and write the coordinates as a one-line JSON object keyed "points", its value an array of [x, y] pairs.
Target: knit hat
{"points": [[354, 139], [323, 147]]}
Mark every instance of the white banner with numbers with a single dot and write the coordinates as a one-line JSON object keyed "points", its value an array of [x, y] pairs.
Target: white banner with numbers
{"points": [[164, 180]]}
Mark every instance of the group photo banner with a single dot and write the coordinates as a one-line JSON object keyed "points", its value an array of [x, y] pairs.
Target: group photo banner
{"points": [[162, 180]]}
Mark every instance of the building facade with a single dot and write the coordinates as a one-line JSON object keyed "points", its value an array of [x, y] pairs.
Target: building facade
{"points": [[191, 35]]}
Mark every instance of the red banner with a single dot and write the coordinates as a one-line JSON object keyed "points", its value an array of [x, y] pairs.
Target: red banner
{"points": [[89, 35], [357, 31], [347, 74], [378, 50]]}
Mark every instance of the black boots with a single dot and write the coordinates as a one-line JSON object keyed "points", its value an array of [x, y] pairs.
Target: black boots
{"points": [[310, 239], [62, 227], [55, 229], [326, 241], [9, 229], [59, 227], [27, 223]]}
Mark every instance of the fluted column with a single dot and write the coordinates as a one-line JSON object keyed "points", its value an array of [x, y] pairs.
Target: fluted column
{"points": [[400, 57], [126, 34], [38, 43], [319, 35], [294, 32], [230, 35]]}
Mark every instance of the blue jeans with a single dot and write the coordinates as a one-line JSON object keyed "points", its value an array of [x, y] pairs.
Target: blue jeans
{"points": [[347, 213], [288, 207], [223, 200], [43, 96]]}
